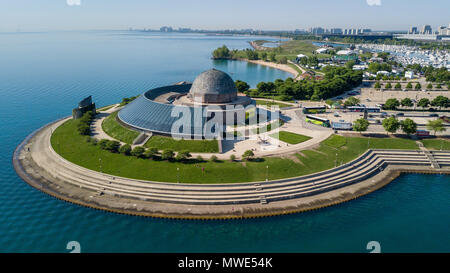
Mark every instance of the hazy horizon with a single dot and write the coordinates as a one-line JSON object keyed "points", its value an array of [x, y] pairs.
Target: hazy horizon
{"points": [[67, 15]]}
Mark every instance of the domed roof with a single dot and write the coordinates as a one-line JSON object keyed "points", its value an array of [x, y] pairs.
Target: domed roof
{"points": [[213, 86]]}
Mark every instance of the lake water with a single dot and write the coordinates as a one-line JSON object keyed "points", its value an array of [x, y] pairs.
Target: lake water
{"points": [[44, 75]]}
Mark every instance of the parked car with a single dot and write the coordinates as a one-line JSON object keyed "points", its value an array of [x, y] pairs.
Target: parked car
{"points": [[399, 114], [434, 115]]}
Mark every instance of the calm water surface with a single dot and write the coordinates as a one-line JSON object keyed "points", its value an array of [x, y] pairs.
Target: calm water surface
{"points": [[44, 75]]}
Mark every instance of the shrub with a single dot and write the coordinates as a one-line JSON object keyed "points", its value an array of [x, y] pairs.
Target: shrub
{"points": [[183, 155], [151, 152], [248, 155], [125, 149], [103, 143], [138, 151], [84, 129], [200, 158], [167, 154], [232, 158], [214, 158], [113, 146]]}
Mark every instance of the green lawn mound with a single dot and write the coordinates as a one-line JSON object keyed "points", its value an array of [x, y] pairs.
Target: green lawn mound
{"points": [[291, 138], [194, 146], [114, 129], [67, 142], [436, 144], [335, 141]]}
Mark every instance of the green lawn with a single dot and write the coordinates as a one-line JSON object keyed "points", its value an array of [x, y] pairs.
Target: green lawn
{"points": [[193, 146], [291, 138], [436, 144], [67, 142], [117, 131], [270, 103]]}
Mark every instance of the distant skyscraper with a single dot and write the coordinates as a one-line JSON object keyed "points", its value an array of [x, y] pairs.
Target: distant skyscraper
{"points": [[427, 29], [413, 30]]}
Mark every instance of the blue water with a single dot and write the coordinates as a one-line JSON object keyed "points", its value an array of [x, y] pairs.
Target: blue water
{"points": [[44, 75]]}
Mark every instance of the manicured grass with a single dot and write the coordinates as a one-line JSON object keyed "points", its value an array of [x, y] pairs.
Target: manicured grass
{"points": [[436, 144], [117, 131], [193, 146], [270, 103], [67, 142], [335, 141], [291, 138]]}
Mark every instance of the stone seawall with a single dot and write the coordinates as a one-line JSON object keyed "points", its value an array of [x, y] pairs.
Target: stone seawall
{"points": [[37, 164]]}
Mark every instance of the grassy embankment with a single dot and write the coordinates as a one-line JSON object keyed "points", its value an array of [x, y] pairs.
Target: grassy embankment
{"points": [[436, 144], [67, 142], [193, 146], [117, 131]]}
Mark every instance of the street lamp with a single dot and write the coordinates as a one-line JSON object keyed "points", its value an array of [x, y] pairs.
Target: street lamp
{"points": [[267, 173], [335, 161], [178, 175], [100, 163]]}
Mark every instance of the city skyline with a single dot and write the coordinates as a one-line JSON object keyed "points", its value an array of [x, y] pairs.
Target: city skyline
{"points": [[196, 14]]}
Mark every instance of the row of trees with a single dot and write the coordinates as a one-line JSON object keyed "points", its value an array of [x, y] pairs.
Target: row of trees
{"points": [[336, 81], [392, 125], [84, 123], [439, 101], [409, 85]]}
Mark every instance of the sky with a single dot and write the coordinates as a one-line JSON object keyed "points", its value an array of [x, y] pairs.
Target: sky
{"points": [[46, 15]]}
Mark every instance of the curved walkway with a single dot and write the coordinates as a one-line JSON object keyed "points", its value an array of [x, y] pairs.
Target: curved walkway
{"points": [[38, 164]]}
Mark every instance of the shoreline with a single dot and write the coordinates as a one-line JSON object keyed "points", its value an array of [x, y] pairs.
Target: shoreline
{"points": [[282, 67], [54, 182]]}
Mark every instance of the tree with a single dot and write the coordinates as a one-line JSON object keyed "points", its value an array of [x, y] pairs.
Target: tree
{"points": [[283, 60], [429, 86], [391, 104], [408, 126], [409, 85], [251, 54], [248, 155], [360, 125], [221, 53], [407, 102], [391, 124], [424, 102], [263, 56], [398, 86], [138, 151], [377, 85], [388, 85], [441, 102], [242, 86], [232, 158], [183, 155], [167, 154], [151, 153], [113, 146], [351, 101], [436, 126], [84, 129], [103, 143], [125, 149], [418, 86], [272, 56], [214, 158], [438, 86]]}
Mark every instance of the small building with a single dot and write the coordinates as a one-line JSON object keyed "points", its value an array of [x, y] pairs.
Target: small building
{"points": [[322, 50], [409, 75], [383, 73], [84, 106]]}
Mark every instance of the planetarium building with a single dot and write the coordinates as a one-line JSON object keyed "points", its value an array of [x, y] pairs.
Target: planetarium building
{"points": [[211, 94]]}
